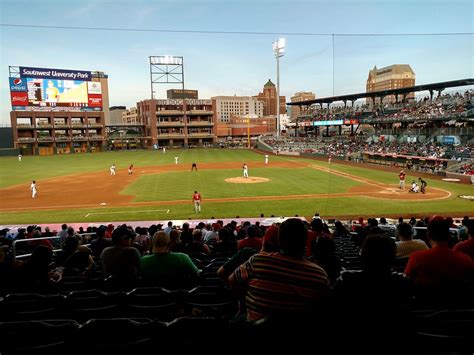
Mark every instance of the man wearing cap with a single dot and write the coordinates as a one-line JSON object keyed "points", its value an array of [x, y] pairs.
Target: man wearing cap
{"points": [[121, 261], [197, 201], [401, 177], [173, 270]]}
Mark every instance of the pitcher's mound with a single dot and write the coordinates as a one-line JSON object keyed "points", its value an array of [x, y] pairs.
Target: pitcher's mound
{"points": [[249, 180]]}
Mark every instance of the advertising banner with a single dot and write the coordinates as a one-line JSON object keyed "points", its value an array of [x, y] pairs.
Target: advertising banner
{"points": [[95, 100], [17, 84], [19, 98], [94, 87], [328, 123], [61, 74]]}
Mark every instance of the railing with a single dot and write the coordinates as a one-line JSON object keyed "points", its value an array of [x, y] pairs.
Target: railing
{"points": [[95, 125], [45, 139], [200, 123], [96, 137], [63, 138], [61, 125], [199, 112], [77, 138], [170, 124], [200, 135], [76, 124], [24, 126], [32, 241], [169, 113], [26, 139], [170, 135], [44, 125]]}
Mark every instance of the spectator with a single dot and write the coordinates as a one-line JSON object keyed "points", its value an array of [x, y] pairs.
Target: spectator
{"points": [[406, 245], [282, 282], [100, 243], [439, 273], [166, 268], [121, 262], [467, 247]]}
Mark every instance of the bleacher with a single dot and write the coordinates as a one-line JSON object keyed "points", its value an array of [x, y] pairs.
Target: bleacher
{"points": [[93, 313]]}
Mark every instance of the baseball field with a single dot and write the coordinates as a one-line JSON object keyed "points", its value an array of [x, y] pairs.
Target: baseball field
{"points": [[79, 188]]}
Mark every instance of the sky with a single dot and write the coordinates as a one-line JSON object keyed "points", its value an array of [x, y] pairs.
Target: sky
{"points": [[238, 64]]}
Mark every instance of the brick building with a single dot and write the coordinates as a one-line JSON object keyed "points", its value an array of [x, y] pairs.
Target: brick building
{"points": [[392, 77], [178, 122], [50, 132], [268, 97]]}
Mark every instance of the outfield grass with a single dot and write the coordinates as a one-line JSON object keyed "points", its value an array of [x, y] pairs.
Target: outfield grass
{"points": [[30, 168], [180, 185], [212, 184]]}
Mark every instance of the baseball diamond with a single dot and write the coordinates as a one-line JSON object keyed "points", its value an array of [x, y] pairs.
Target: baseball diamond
{"points": [[291, 186]]}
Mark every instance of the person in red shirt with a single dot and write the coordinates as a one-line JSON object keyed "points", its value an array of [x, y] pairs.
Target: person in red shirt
{"points": [[401, 176], [440, 272], [197, 202]]}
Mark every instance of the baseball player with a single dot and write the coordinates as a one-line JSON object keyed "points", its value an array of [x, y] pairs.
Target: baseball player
{"points": [[112, 169], [164, 150], [194, 167], [33, 189], [130, 169], [197, 202], [423, 185], [246, 170], [176, 160], [19, 157], [401, 177], [266, 159]]}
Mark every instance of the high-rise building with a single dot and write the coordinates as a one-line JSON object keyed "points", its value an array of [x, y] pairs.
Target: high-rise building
{"points": [[130, 116], [395, 76], [228, 106], [115, 115], [268, 97], [298, 97]]}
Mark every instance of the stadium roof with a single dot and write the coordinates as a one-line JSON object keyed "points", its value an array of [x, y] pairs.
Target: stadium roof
{"points": [[351, 97]]}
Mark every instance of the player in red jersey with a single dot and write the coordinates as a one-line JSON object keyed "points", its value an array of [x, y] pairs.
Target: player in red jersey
{"points": [[197, 201]]}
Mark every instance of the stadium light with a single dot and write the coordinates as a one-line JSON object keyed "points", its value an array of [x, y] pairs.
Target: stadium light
{"points": [[278, 50]]}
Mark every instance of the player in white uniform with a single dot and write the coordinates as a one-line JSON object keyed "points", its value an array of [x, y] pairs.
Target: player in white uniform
{"points": [[33, 189], [164, 150], [112, 169], [19, 157], [246, 170], [266, 159], [176, 160]]}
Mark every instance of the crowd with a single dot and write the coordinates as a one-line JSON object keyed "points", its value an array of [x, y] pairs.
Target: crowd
{"points": [[334, 274]]}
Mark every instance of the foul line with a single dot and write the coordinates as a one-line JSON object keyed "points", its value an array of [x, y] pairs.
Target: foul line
{"points": [[91, 213]]}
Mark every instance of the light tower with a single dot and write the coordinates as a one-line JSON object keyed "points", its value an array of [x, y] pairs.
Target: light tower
{"points": [[278, 50]]}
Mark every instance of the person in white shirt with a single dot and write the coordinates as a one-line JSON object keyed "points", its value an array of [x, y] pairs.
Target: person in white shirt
{"points": [[266, 159], [406, 244], [414, 187], [176, 160], [164, 150], [19, 157], [246, 170], [33, 189], [112, 169]]}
